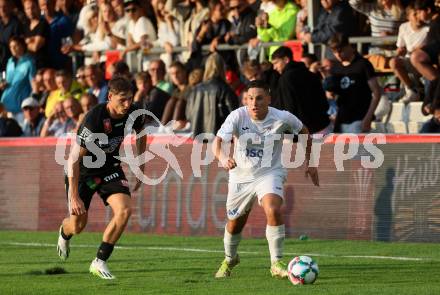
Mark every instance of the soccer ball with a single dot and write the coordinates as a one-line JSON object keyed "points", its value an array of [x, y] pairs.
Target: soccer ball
{"points": [[302, 270]]}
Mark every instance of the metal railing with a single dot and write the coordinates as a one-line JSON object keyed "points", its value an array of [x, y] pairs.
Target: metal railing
{"points": [[137, 56]]}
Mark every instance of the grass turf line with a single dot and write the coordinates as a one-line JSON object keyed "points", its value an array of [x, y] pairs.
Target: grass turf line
{"points": [[37, 270]]}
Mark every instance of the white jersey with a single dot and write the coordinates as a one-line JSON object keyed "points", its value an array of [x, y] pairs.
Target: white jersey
{"points": [[257, 144]]}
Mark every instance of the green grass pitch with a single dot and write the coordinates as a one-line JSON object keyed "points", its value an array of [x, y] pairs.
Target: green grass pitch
{"points": [[151, 264]]}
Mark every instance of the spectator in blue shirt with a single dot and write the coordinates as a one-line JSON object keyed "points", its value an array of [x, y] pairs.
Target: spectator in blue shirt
{"points": [[20, 70], [60, 28]]}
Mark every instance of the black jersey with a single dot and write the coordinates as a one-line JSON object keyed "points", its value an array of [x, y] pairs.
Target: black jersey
{"points": [[98, 120]]}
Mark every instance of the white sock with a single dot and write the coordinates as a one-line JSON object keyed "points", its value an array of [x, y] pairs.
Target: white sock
{"points": [[275, 237], [231, 245]]}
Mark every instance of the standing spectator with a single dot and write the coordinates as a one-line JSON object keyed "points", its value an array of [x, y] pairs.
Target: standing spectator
{"points": [[242, 18], [301, 20], [175, 107], [8, 126], [355, 82], [57, 124], [190, 14], [150, 97], [157, 72], [385, 17], [20, 71], [69, 8], [33, 118], [60, 27], [412, 35], [279, 26], [167, 32], [210, 102], [335, 17], [300, 92], [66, 88], [36, 33], [141, 33], [95, 81], [9, 27], [211, 32], [118, 32], [425, 59]]}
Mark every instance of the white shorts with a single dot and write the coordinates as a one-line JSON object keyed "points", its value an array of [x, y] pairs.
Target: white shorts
{"points": [[241, 196]]}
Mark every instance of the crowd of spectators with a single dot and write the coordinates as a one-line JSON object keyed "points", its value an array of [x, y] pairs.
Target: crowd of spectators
{"points": [[46, 93]]}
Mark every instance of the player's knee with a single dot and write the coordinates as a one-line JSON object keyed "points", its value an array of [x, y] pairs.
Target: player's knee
{"points": [[124, 213], [273, 212]]}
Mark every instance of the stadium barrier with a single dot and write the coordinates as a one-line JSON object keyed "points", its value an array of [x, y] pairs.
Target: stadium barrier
{"points": [[134, 59], [399, 201]]}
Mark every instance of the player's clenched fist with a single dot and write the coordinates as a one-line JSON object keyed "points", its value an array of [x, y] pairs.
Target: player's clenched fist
{"points": [[228, 163]]}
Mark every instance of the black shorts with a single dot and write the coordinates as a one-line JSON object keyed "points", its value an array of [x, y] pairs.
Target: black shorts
{"points": [[106, 184], [433, 50]]}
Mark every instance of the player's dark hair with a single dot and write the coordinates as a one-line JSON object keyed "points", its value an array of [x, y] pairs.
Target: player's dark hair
{"points": [[119, 84], [338, 41], [282, 52], [258, 84]]}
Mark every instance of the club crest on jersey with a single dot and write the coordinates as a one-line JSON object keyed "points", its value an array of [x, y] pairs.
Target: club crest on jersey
{"points": [[107, 125]]}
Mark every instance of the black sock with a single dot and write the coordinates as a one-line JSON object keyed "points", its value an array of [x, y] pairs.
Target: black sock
{"points": [[64, 235], [104, 251]]}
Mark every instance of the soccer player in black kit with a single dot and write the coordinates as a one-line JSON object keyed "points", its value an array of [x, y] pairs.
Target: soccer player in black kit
{"points": [[107, 179]]}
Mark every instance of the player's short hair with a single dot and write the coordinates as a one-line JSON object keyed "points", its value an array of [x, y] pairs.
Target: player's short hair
{"points": [[258, 84], [282, 52], [338, 41], [119, 84]]}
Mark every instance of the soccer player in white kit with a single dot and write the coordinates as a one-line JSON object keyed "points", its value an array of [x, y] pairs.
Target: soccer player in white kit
{"points": [[256, 172]]}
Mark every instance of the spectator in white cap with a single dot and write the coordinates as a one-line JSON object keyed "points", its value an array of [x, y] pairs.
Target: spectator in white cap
{"points": [[33, 118]]}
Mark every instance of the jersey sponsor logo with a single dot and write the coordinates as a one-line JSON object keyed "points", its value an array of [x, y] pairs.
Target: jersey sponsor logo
{"points": [[254, 153], [112, 145], [107, 125], [244, 128], [111, 176]]}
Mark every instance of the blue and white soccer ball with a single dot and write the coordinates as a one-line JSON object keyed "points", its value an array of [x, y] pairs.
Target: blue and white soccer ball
{"points": [[302, 270]]}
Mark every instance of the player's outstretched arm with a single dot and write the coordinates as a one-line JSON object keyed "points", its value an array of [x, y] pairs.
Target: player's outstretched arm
{"points": [[76, 205], [310, 171], [141, 147], [218, 149]]}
